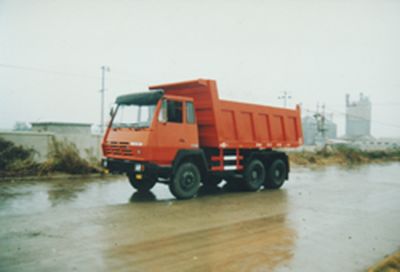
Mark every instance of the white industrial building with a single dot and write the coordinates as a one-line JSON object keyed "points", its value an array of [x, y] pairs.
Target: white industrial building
{"points": [[358, 118], [314, 135]]}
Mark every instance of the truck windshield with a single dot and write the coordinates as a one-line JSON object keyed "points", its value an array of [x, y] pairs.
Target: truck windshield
{"points": [[134, 116]]}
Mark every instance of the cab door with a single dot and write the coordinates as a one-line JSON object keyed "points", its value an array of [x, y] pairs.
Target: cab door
{"points": [[176, 129], [191, 130]]}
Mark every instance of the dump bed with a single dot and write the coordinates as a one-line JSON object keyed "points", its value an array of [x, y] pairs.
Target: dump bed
{"points": [[230, 124]]}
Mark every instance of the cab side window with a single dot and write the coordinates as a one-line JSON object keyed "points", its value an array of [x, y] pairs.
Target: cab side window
{"points": [[174, 111], [190, 113]]}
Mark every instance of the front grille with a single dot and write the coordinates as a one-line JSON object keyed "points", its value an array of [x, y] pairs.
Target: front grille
{"points": [[118, 149]]}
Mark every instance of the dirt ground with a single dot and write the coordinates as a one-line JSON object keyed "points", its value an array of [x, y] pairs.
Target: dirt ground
{"points": [[332, 219]]}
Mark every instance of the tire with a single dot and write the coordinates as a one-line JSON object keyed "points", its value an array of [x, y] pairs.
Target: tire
{"points": [[186, 181], [143, 185], [254, 175], [212, 181], [276, 174]]}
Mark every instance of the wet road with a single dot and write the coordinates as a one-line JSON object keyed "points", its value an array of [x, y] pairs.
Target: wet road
{"points": [[325, 220]]}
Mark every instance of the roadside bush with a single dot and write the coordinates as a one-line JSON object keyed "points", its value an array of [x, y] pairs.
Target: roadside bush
{"points": [[64, 157], [349, 154], [343, 155], [23, 168], [9, 153], [16, 160]]}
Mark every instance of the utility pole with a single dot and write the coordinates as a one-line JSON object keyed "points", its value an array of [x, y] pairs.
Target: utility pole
{"points": [[321, 127], [104, 69], [285, 98]]}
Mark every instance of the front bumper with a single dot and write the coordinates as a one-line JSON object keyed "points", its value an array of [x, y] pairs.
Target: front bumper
{"points": [[126, 166]]}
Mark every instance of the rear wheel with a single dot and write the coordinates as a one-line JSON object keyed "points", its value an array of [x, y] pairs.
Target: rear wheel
{"points": [[276, 174], [145, 184], [254, 175], [186, 181]]}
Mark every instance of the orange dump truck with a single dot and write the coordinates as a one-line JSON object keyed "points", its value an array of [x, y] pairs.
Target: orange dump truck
{"points": [[183, 135]]}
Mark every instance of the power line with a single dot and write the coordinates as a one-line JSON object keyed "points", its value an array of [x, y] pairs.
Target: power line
{"points": [[285, 97], [394, 104], [36, 69], [60, 73], [356, 116], [375, 104]]}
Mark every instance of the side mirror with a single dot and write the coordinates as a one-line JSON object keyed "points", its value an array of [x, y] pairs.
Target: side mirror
{"points": [[162, 117], [112, 111]]}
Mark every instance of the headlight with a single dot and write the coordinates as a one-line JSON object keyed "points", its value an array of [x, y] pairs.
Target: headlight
{"points": [[105, 163], [138, 167]]}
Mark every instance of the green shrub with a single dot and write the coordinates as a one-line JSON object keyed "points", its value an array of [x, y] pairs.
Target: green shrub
{"points": [[10, 153], [64, 157], [16, 160]]}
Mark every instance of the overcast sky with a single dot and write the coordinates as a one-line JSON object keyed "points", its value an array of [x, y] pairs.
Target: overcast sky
{"points": [[51, 52]]}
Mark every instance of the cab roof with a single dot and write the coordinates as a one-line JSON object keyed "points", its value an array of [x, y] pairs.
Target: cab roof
{"points": [[145, 98]]}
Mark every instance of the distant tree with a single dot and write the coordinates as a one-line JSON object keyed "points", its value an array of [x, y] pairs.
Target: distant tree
{"points": [[22, 126]]}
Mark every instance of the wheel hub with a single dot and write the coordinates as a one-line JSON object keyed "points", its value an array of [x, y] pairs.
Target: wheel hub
{"points": [[254, 174], [188, 180]]}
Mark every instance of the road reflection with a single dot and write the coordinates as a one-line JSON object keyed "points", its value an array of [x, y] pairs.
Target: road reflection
{"points": [[218, 231], [140, 196], [60, 193]]}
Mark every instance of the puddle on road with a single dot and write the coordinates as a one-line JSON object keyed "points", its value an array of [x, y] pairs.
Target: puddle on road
{"points": [[38, 196], [17, 198]]}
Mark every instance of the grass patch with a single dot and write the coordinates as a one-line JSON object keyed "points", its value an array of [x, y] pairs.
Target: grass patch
{"points": [[342, 155], [389, 264]]}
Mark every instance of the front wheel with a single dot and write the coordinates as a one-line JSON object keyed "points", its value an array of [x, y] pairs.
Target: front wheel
{"points": [[186, 181], [276, 174], [145, 184]]}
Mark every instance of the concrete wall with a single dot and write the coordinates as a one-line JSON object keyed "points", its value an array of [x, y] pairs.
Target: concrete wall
{"points": [[80, 134], [42, 135], [62, 128], [377, 144], [40, 142], [88, 145]]}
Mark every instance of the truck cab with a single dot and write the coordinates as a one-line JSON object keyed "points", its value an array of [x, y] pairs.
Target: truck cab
{"points": [[146, 132]]}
